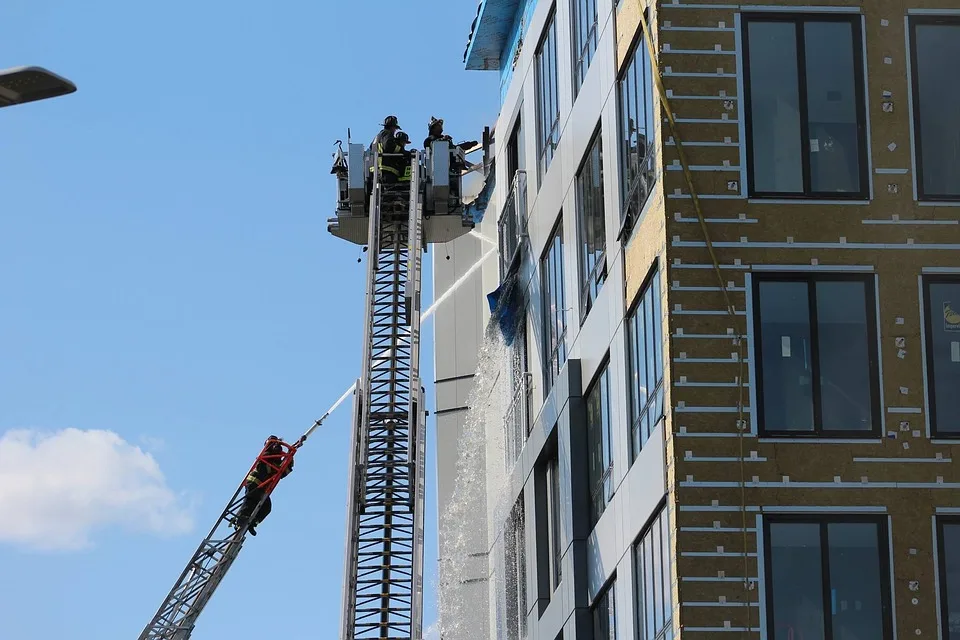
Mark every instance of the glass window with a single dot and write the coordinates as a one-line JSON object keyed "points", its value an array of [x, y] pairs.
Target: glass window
{"points": [[515, 157], [645, 364], [816, 355], [651, 559], [554, 308], [637, 142], [935, 46], [556, 530], [942, 319], [827, 578], [804, 106], [516, 572], [584, 21], [599, 442], [948, 555], [590, 216], [548, 98], [603, 612]]}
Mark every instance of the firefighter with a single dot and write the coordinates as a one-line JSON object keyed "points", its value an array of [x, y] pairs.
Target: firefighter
{"points": [[385, 144], [401, 162], [255, 484], [435, 133]]}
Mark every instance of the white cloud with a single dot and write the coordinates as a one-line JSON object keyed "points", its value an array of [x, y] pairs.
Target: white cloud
{"points": [[432, 632], [58, 488]]}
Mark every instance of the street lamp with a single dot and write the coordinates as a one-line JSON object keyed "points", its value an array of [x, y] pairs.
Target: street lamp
{"points": [[20, 85]]}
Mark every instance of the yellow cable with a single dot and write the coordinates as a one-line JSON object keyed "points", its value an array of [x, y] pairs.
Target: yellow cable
{"points": [[731, 310]]}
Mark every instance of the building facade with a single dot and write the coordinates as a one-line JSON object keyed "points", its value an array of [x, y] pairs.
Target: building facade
{"points": [[679, 456]]}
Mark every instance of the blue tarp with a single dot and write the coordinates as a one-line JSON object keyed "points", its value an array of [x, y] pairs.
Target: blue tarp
{"points": [[506, 306]]}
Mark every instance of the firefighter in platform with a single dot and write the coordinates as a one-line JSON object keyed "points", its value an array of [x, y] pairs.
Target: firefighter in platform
{"points": [[386, 144], [256, 484], [401, 161], [435, 133]]}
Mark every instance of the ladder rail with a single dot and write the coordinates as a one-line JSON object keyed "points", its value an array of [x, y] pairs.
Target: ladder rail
{"points": [[383, 577], [178, 614]]}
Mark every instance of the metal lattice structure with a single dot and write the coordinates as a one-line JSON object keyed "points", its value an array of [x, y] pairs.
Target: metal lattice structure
{"points": [[178, 614], [384, 554], [383, 588]]}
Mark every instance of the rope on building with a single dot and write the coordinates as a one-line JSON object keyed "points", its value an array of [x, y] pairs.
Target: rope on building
{"points": [[731, 310]]}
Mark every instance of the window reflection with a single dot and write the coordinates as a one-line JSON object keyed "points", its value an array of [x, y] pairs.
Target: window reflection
{"points": [[828, 579], [942, 311], [805, 118], [599, 442], [949, 556], [936, 48], [818, 354]]}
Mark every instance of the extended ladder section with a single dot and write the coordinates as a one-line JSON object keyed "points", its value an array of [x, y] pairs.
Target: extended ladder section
{"points": [[383, 572], [179, 612], [385, 526]]}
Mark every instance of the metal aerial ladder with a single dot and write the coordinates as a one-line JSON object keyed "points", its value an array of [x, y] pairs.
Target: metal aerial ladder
{"points": [[177, 616], [383, 559], [383, 588]]}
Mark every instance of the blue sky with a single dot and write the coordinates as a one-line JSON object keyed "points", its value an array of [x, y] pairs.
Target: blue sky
{"points": [[166, 275]]}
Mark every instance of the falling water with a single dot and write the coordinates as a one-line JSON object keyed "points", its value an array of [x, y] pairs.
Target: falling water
{"points": [[471, 525], [480, 471]]}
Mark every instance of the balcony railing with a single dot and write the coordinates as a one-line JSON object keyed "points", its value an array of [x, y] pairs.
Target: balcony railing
{"points": [[515, 421], [513, 222]]}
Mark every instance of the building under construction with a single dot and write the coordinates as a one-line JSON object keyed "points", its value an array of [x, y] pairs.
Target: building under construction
{"points": [[731, 238]]}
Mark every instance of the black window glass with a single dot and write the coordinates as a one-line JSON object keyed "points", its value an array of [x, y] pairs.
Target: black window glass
{"points": [[604, 616], [818, 356], [949, 557], [645, 364], [805, 120], [936, 48], [827, 579], [598, 438], [651, 559], [942, 311], [554, 308], [548, 97], [635, 95], [584, 16], [856, 594], [590, 214], [776, 139]]}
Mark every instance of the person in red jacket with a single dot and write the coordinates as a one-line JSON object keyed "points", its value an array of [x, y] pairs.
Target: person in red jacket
{"points": [[255, 484]]}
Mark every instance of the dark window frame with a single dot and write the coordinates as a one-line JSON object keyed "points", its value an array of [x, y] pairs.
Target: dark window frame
{"points": [[811, 278], [859, 68], [590, 282], [629, 214], [515, 148], [607, 594], [926, 280], [557, 354], [656, 396], [604, 483], [584, 50], [912, 23], [824, 520], [660, 520], [942, 571], [548, 134]]}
